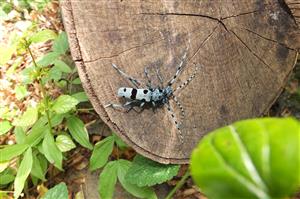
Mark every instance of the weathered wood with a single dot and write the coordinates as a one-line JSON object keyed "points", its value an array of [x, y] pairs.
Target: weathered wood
{"points": [[247, 48]]}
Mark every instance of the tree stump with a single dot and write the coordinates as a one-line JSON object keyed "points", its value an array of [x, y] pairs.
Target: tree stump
{"points": [[246, 49]]}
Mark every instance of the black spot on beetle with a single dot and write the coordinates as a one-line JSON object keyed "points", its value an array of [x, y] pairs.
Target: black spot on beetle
{"points": [[133, 94], [145, 91], [124, 89], [160, 90]]}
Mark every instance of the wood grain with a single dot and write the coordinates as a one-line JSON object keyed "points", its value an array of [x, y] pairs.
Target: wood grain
{"points": [[246, 49]]}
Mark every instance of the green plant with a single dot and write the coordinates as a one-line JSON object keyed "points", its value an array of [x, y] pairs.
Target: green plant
{"points": [[40, 141], [256, 158], [136, 177]]}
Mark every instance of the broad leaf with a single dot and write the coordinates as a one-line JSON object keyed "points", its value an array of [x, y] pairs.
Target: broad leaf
{"points": [[64, 104], [78, 131], [107, 180], [6, 177], [28, 118], [76, 81], [248, 160], [81, 97], [120, 143], [59, 191], [37, 131], [43, 36], [37, 169], [23, 172], [6, 53], [21, 92], [64, 143], [62, 66], [140, 192], [54, 74], [145, 172], [101, 152], [11, 151], [5, 126], [20, 135], [61, 44], [48, 59], [51, 151]]}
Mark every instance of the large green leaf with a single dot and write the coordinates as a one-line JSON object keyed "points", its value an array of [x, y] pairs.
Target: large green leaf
{"points": [[37, 131], [80, 96], [64, 104], [6, 177], [20, 135], [140, 192], [101, 152], [60, 191], [256, 158], [23, 172], [78, 131], [61, 44], [48, 59], [12, 151], [51, 151], [21, 91], [28, 118], [42, 36], [37, 169], [5, 126], [108, 180], [62, 66], [64, 143], [145, 172]]}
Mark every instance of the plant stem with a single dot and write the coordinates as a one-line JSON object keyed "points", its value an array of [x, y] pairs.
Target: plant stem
{"points": [[178, 185], [44, 94]]}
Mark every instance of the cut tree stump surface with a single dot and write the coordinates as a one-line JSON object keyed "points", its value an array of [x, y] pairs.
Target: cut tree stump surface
{"points": [[246, 49]]}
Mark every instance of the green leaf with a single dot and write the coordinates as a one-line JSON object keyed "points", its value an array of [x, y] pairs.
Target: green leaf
{"points": [[59, 191], [28, 118], [5, 126], [37, 169], [78, 131], [6, 177], [64, 143], [5, 54], [101, 152], [81, 97], [140, 192], [21, 92], [248, 160], [11, 151], [62, 66], [61, 44], [20, 135], [54, 74], [51, 151], [37, 132], [23, 172], [145, 172], [48, 59], [43, 36], [76, 81], [120, 143], [107, 180], [64, 104]]}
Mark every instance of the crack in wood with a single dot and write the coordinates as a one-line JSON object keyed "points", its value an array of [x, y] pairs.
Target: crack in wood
{"points": [[268, 39], [124, 51], [251, 51]]}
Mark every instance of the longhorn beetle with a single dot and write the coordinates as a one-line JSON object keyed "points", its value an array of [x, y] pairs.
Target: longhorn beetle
{"points": [[153, 96]]}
